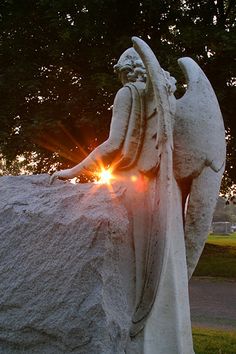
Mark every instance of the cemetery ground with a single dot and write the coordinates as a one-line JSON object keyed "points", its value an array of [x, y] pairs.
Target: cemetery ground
{"points": [[218, 258], [213, 297]]}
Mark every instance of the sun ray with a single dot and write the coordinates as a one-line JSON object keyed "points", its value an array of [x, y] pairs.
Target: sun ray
{"points": [[105, 176], [67, 133]]}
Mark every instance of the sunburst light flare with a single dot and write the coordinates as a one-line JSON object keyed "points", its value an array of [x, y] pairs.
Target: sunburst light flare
{"points": [[105, 176]]}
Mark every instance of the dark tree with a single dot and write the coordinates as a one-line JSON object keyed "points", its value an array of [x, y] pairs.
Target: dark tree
{"points": [[57, 81]]}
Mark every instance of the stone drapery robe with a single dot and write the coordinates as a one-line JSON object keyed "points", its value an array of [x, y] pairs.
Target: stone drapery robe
{"points": [[161, 307]]}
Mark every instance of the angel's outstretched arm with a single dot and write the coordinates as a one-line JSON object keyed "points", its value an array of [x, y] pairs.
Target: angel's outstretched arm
{"points": [[105, 151]]}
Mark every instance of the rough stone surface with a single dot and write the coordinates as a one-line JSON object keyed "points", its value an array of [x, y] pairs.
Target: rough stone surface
{"points": [[66, 267]]}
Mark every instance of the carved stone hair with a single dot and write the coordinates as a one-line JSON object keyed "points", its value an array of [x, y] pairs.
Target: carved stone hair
{"points": [[131, 62]]}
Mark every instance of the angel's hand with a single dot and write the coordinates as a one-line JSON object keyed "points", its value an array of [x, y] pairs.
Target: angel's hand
{"points": [[63, 174]]}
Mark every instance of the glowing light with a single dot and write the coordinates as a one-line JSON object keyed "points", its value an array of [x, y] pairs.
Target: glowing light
{"points": [[73, 180], [105, 176], [20, 158], [134, 178]]}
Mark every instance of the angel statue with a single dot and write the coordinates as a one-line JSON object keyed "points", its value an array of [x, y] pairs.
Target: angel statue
{"points": [[170, 153]]}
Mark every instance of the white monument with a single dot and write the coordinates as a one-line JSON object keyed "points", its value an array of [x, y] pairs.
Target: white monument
{"points": [[170, 156]]}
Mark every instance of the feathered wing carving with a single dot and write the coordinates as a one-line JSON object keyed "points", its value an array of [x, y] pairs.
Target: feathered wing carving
{"points": [[160, 153], [199, 156], [157, 89]]}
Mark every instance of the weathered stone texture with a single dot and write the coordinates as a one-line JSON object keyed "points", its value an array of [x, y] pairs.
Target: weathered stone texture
{"points": [[66, 267]]}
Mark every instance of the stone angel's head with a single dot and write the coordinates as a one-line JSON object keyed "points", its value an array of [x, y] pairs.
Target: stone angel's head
{"points": [[130, 67]]}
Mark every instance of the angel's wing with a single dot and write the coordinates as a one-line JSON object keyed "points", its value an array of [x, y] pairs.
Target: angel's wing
{"points": [[199, 129], [157, 80], [159, 232], [199, 155]]}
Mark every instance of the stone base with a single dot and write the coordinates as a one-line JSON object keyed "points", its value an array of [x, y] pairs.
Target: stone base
{"points": [[66, 267]]}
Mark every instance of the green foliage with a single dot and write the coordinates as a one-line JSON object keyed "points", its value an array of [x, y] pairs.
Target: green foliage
{"points": [[209, 341], [218, 258], [57, 81]]}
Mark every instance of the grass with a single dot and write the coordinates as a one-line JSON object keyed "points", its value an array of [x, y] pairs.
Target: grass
{"points": [[218, 258], [221, 240], [210, 341]]}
